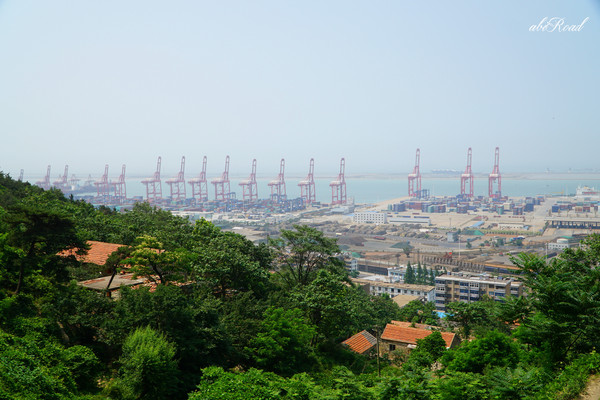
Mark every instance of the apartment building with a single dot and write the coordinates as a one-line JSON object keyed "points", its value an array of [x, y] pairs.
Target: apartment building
{"points": [[468, 288], [394, 288]]}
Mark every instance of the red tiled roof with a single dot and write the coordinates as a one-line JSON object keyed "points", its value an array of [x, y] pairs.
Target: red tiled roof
{"points": [[409, 335], [97, 254], [361, 342], [410, 325]]}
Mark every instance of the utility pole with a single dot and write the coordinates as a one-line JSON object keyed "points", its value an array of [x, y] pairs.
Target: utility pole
{"points": [[378, 365]]}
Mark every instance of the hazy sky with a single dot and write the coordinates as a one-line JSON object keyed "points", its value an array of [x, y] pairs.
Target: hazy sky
{"points": [[94, 82]]}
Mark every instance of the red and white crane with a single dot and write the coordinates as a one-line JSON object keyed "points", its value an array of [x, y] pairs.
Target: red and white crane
{"points": [[119, 187], [338, 187], [62, 181], [102, 186], [249, 186], [307, 186], [278, 185], [222, 184], [467, 177], [415, 178], [154, 185], [45, 183], [495, 177], [177, 184], [199, 186]]}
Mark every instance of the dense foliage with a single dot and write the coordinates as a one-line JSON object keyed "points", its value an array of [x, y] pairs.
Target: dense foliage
{"points": [[228, 319]]}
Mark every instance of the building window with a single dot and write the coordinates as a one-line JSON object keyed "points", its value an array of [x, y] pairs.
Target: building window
{"points": [[392, 347]]}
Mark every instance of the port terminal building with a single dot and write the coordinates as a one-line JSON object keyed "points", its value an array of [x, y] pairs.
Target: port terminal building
{"points": [[573, 223]]}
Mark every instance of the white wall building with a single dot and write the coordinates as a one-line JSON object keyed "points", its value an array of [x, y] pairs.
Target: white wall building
{"points": [[370, 217], [407, 219], [393, 289], [560, 245]]}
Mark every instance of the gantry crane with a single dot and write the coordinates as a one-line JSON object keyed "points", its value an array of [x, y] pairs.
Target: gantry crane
{"points": [[307, 186], [338, 187]]}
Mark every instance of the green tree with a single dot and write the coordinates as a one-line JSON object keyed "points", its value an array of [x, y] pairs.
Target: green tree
{"points": [[241, 317], [407, 249], [480, 316], [146, 220], [409, 276], [217, 384], [460, 386], [150, 260], [383, 309], [413, 384], [432, 276], [419, 312], [115, 262], [37, 367], [301, 253], [41, 230], [148, 368], [283, 342], [420, 274], [515, 383], [433, 345], [495, 349], [564, 300], [191, 321], [232, 264]]}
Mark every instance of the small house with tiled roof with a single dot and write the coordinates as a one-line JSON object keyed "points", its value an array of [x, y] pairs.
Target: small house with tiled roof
{"points": [[361, 343], [416, 325], [395, 336], [112, 284], [97, 253]]}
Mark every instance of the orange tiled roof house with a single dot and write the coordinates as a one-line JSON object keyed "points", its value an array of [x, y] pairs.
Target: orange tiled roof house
{"points": [[361, 343], [402, 335]]}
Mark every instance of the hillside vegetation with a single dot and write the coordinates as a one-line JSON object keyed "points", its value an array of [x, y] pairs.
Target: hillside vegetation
{"points": [[227, 319]]}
